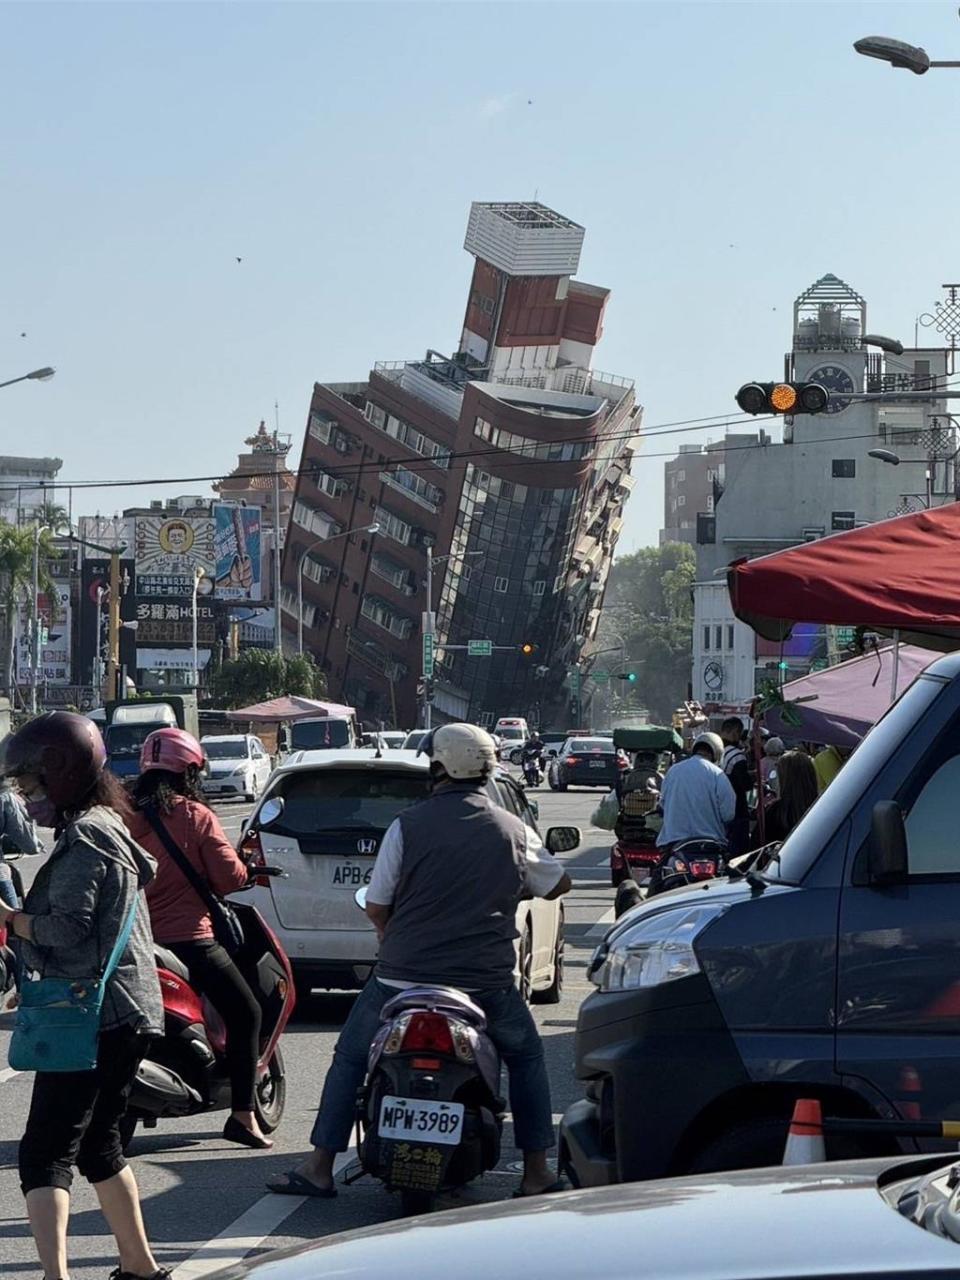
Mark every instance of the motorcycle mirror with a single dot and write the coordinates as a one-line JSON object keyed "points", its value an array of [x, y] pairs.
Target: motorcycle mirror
{"points": [[360, 897], [270, 811]]}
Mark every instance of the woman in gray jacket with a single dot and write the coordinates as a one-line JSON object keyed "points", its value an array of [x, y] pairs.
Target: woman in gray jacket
{"points": [[72, 917]]}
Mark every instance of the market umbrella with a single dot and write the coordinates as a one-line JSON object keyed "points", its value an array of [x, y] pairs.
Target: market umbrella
{"points": [[289, 707]]}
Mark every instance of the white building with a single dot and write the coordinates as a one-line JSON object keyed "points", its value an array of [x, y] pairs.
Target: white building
{"points": [[819, 480], [26, 485]]}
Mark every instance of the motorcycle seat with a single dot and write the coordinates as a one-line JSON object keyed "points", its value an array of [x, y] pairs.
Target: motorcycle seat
{"points": [[440, 999], [173, 964]]}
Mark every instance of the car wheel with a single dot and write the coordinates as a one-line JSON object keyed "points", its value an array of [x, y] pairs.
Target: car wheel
{"points": [[760, 1143], [270, 1097], [552, 994], [525, 963], [514, 757]]}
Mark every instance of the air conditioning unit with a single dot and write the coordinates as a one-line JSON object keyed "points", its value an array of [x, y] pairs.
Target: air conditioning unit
{"points": [[813, 534], [343, 445], [156, 504]]}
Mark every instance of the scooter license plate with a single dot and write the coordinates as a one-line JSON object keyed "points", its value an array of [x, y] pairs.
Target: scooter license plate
{"points": [[420, 1121]]}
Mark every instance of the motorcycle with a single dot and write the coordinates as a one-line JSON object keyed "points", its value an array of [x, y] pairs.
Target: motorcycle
{"points": [[688, 862], [533, 771], [429, 1115], [185, 1071]]}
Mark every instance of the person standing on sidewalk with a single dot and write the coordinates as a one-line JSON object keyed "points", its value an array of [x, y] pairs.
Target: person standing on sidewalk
{"points": [[77, 910]]}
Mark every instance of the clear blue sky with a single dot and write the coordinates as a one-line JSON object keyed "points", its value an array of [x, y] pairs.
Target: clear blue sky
{"points": [[721, 156]]}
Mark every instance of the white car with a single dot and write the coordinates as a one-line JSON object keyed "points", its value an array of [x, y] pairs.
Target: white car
{"points": [[239, 765], [336, 806]]}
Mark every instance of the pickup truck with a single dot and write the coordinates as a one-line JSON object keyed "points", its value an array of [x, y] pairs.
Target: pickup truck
{"points": [[128, 724]]}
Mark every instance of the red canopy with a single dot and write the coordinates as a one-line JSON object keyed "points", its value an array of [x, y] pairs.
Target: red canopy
{"points": [[290, 707], [898, 575]]}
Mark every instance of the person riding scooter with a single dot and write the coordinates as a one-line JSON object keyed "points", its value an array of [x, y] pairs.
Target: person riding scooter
{"points": [[443, 897], [531, 759], [697, 799]]}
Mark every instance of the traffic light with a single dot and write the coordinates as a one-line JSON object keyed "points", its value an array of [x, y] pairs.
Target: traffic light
{"points": [[628, 675], [783, 397], [528, 649]]}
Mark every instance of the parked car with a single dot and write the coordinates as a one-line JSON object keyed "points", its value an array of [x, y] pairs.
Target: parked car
{"points": [[336, 807], [393, 739], [585, 762], [414, 739], [239, 766], [861, 1220], [829, 971]]}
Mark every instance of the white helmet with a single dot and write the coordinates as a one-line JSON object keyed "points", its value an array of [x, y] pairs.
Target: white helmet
{"points": [[773, 747], [463, 750], [713, 741]]}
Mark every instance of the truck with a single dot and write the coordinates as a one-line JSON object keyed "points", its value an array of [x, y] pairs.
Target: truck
{"points": [[128, 724], [318, 733]]}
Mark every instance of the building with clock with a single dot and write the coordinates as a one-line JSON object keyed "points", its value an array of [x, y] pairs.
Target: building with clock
{"points": [[818, 478]]}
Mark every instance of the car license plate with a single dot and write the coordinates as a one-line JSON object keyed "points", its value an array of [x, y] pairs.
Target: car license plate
{"points": [[598, 764], [418, 1120], [350, 875]]}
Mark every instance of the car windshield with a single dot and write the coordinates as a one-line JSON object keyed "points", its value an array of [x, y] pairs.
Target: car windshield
{"points": [[127, 739], [590, 744], [314, 735], [414, 739], [345, 799], [225, 750], [510, 733]]}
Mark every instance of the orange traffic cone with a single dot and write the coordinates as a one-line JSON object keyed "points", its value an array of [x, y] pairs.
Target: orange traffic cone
{"points": [[805, 1139], [908, 1096]]}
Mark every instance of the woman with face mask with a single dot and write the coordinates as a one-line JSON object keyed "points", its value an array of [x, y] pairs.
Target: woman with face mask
{"points": [[78, 909]]}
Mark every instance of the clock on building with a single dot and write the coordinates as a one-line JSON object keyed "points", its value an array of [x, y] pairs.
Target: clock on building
{"points": [[713, 676], [837, 381]]}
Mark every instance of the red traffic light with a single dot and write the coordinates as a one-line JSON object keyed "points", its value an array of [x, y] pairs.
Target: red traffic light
{"points": [[783, 397]]}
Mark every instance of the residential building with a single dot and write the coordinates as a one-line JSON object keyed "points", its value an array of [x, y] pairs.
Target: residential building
{"points": [[27, 485], [692, 482], [509, 459], [818, 480]]}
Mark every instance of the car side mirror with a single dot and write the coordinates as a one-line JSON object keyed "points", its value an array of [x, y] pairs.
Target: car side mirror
{"points": [[561, 839], [270, 811], [888, 861]]}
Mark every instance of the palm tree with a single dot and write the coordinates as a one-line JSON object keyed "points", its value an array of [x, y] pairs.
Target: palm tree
{"points": [[55, 517], [16, 582]]}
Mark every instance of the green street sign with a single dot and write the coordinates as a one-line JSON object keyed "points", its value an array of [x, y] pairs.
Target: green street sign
{"points": [[428, 654], [479, 648], [600, 677]]}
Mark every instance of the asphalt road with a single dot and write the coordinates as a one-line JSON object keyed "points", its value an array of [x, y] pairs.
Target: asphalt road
{"points": [[204, 1199]]}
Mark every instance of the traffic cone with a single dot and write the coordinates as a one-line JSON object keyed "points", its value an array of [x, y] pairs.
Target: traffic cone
{"points": [[805, 1139], [908, 1097]]}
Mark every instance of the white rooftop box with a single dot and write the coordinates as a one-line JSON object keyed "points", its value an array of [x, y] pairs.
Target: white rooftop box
{"points": [[524, 238]]}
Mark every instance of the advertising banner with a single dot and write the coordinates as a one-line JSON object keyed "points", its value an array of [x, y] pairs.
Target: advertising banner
{"points": [[94, 584], [168, 550], [237, 548], [54, 646]]}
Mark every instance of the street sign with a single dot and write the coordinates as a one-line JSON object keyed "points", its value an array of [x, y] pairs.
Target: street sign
{"points": [[600, 677], [479, 648], [428, 654]]}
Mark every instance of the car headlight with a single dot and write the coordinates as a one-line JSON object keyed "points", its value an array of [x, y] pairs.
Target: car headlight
{"points": [[655, 950], [239, 771]]}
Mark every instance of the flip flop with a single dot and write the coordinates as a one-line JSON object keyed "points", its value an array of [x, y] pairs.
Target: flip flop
{"points": [[554, 1187], [297, 1185]]}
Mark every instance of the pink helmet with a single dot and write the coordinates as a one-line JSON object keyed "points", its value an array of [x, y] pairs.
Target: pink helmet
{"points": [[171, 749]]}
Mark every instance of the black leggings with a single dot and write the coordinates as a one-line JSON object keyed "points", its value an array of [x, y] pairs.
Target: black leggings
{"points": [[75, 1116], [215, 975]]}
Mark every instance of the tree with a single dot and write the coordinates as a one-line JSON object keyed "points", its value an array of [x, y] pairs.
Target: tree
{"points": [[259, 674], [649, 606], [55, 517], [16, 583]]}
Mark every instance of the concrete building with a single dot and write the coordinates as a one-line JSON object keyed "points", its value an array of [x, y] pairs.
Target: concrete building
{"points": [[25, 487], [509, 459], [691, 483], [818, 480]]}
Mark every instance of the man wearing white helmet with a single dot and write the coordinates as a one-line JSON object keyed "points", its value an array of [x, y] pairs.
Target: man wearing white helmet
{"points": [[698, 801], [443, 896]]}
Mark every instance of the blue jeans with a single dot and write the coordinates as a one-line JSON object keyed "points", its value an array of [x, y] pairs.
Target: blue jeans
{"points": [[512, 1030], [8, 894]]}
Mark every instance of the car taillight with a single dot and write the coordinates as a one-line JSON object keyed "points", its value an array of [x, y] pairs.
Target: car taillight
{"points": [[571, 760], [428, 1033], [251, 852]]}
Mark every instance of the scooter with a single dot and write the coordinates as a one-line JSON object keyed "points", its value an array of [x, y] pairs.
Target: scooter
{"points": [[532, 772], [430, 1115], [689, 862], [8, 960], [185, 1071]]}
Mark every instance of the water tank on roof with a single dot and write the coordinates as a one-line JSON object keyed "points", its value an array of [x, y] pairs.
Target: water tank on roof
{"points": [[807, 334], [850, 330]]}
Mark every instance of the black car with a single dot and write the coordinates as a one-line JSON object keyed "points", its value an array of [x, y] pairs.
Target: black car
{"points": [[585, 762]]}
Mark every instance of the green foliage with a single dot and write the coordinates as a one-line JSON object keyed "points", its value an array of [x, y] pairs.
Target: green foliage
{"points": [[649, 604], [259, 674]]}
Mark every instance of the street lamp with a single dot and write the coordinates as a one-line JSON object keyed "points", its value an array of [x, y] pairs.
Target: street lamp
{"points": [[893, 460], [892, 346], [428, 616], [367, 528], [38, 529], [198, 576], [38, 375], [899, 54]]}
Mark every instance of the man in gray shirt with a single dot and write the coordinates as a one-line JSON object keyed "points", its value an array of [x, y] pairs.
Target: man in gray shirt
{"points": [[443, 898]]}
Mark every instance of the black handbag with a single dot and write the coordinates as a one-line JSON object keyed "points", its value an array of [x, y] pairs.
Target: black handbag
{"points": [[227, 928]]}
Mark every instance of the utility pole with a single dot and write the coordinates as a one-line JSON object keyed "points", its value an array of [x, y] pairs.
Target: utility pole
{"points": [[113, 629], [277, 561], [428, 629], [35, 637]]}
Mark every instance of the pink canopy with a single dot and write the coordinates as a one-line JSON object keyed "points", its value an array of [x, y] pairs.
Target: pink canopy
{"points": [[289, 707]]}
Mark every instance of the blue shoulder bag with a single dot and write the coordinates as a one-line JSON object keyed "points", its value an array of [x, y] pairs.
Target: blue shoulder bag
{"points": [[58, 1020]]}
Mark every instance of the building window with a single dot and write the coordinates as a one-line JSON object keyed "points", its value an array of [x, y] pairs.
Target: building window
{"points": [[501, 584], [682, 500], [539, 587], [392, 526], [486, 719], [706, 638], [844, 468], [840, 520], [681, 476], [718, 637], [729, 635], [559, 582]]}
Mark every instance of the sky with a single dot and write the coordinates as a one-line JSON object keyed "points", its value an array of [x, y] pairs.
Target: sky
{"points": [[722, 157]]}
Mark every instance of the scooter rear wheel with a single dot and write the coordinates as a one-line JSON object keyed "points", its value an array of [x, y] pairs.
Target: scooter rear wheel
{"points": [[270, 1097], [413, 1203]]}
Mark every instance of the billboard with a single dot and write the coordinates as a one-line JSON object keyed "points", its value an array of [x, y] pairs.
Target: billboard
{"points": [[168, 550], [55, 648], [237, 549], [94, 586]]}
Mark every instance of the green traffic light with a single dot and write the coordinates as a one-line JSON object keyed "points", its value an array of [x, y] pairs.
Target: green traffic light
{"points": [[632, 676]]}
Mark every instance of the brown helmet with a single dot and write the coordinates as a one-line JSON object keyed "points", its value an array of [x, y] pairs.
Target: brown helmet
{"points": [[64, 750]]}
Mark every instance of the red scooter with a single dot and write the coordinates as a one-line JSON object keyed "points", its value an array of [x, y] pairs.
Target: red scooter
{"points": [[185, 1071]]}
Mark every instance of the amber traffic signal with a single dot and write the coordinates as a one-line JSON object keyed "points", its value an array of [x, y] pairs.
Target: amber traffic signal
{"points": [[528, 649], [783, 397]]}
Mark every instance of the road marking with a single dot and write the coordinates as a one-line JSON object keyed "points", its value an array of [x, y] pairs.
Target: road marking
{"points": [[247, 1232], [7, 1074], [602, 925]]}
